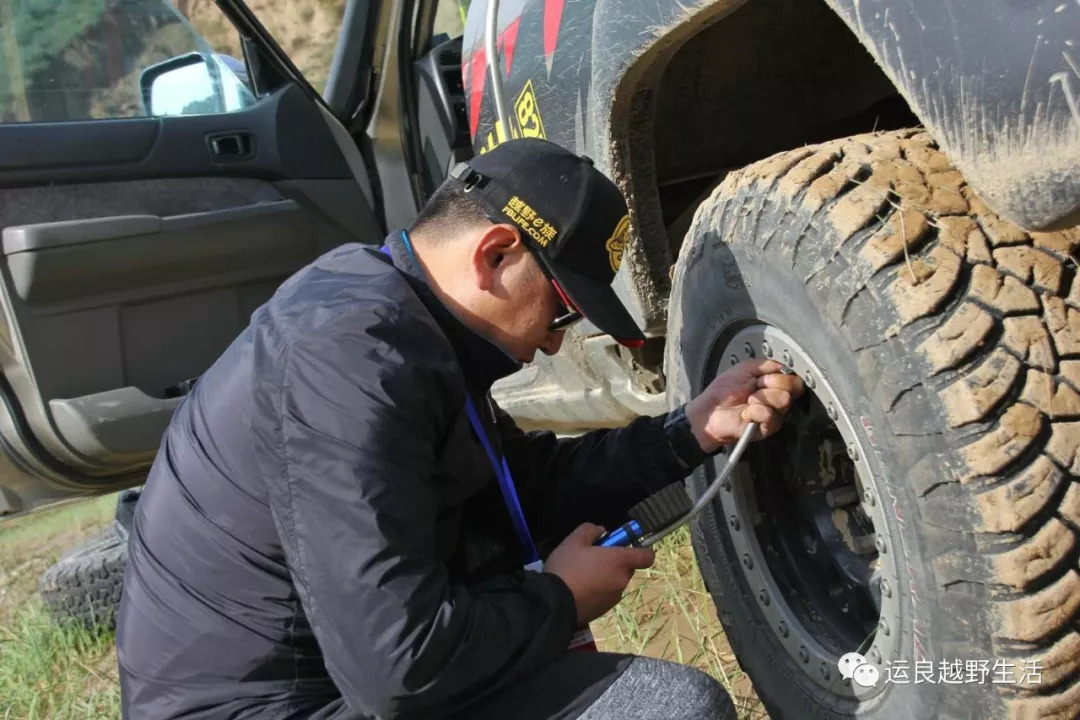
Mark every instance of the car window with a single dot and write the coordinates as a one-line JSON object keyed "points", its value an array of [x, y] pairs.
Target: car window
{"points": [[307, 30], [63, 60]]}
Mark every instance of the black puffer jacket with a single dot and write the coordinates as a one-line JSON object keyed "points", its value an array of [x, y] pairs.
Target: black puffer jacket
{"points": [[322, 535]]}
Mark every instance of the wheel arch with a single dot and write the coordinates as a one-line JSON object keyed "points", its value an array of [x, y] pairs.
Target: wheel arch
{"points": [[645, 58]]}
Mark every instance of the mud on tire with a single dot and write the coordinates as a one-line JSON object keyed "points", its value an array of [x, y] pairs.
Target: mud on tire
{"points": [[953, 338], [85, 584]]}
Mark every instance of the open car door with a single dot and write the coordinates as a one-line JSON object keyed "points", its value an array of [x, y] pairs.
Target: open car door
{"points": [[154, 190]]}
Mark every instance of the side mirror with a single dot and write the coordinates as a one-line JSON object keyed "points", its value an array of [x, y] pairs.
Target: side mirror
{"points": [[192, 84]]}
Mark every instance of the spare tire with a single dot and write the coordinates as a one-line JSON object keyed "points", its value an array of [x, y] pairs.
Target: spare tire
{"points": [[920, 505], [85, 584]]}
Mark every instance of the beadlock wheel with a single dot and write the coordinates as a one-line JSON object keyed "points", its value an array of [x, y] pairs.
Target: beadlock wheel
{"points": [[802, 511]]}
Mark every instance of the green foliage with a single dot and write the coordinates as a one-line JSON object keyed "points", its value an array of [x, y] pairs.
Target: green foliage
{"points": [[48, 669], [54, 670], [76, 59], [45, 28]]}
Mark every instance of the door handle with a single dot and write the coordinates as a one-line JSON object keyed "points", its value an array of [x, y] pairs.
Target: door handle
{"points": [[231, 146]]}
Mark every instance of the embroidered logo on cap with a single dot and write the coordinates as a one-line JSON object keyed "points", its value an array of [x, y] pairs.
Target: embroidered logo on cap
{"points": [[617, 243], [526, 218]]}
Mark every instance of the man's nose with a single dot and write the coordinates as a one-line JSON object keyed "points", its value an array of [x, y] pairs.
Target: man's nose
{"points": [[553, 342]]}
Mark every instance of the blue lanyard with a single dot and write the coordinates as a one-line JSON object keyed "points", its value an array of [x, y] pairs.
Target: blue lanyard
{"points": [[509, 492], [500, 467]]}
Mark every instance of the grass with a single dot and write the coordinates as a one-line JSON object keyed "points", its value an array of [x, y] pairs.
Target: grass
{"points": [[667, 613], [48, 670]]}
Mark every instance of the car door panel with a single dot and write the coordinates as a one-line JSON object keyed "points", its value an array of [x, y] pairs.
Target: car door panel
{"points": [[133, 254], [62, 261], [290, 135]]}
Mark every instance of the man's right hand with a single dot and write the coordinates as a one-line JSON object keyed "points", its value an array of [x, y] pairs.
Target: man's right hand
{"points": [[597, 576]]}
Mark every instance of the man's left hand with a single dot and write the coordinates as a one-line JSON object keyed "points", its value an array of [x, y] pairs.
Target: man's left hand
{"points": [[752, 391]]}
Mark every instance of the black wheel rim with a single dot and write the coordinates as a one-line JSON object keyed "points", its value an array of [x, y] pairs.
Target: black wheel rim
{"points": [[802, 513]]}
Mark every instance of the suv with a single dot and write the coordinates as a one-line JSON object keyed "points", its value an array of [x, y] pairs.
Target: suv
{"points": [[881, 194]]}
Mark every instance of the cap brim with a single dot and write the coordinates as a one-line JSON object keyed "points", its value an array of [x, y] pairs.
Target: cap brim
{"points": [[599, 304]]}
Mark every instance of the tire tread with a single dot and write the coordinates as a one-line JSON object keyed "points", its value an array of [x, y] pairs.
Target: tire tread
{"points": [[85, 585], [989, 317]]}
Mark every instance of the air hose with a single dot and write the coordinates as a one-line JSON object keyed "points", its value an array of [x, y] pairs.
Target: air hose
{"points": [[663, 512]]}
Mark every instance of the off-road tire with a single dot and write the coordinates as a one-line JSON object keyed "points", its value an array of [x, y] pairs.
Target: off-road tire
{"points": [[86, 583], [960, 362]]}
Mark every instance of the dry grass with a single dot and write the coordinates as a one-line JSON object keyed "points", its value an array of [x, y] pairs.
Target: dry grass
{"points": [[667, 613], [56, 672]]}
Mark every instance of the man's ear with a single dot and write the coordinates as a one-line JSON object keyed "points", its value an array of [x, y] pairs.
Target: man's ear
{"points": [[490, 251]]}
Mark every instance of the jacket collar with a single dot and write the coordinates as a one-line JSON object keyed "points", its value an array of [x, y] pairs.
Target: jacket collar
{"points": [[482, 361]]}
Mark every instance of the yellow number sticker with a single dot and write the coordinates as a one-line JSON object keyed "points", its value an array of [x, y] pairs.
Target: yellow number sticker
{"points": [[528, 114], [526, 121]]}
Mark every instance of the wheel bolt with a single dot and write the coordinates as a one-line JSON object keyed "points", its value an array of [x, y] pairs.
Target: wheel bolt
{"points": [[786, 357], [883, 628], [832, 412], [810, 382], [763, 597], [825, 670], [735, 524], [748, 562], [869, 498], [766, 349], [886, 591], [879, 543], [852, 451], [749, 350], [804, 655], [783, 629], [875, 656], [734, 359]]}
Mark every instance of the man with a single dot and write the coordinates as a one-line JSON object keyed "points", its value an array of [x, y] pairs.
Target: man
{"points": [[325, 534]]}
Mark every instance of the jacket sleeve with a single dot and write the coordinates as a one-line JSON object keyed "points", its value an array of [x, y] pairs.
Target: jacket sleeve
{"points": [[353, 426], [595, 477]]}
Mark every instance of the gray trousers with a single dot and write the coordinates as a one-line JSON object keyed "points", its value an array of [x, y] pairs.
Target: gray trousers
{"points": [[609, 686]]}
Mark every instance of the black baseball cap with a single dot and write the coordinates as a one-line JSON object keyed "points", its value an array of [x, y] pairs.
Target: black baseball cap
{"points": [[569, 214]]}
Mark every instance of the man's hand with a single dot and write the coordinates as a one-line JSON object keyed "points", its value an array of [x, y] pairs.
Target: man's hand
{"points": [[752, 391], [597, 576]]}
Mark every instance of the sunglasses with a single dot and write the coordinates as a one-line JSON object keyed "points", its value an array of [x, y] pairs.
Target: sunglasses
{"points": [[568, 315]]}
